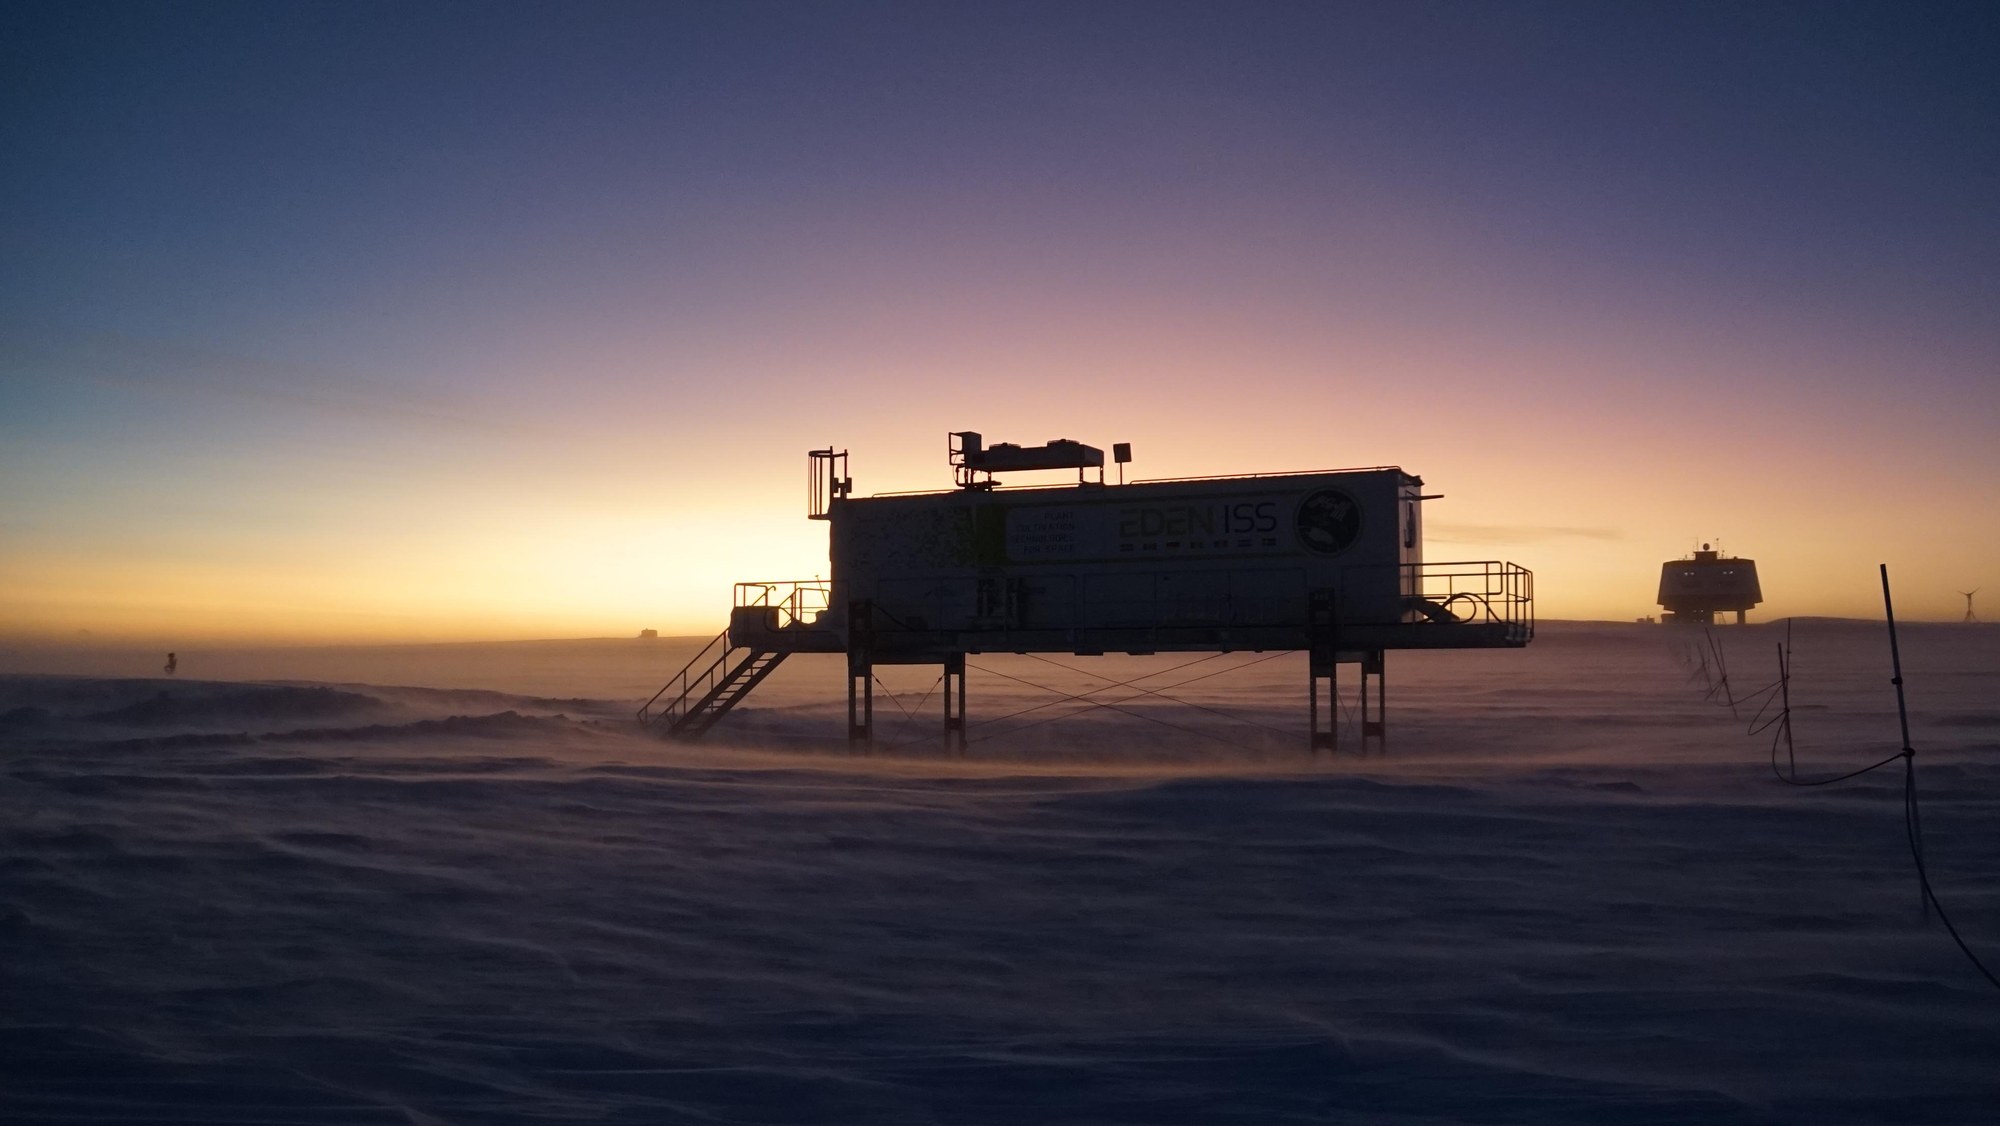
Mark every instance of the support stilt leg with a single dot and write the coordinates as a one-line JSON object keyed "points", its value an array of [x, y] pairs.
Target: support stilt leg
{"points": [[860, 705], [860, 675], [1374, 725], [954, 703], [1322, 661], [1312, 709], [1323, 684]]}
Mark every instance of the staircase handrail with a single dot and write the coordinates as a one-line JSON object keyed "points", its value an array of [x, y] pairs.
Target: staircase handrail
{"points": [[793, 599], [682, 684]]}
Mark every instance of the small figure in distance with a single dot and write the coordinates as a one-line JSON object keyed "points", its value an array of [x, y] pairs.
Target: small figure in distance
{"points": [[172, 664]]}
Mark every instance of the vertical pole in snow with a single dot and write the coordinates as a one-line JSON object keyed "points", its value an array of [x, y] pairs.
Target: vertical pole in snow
{"points": [[1909, 753], [1785, 696], [1895, 661]]}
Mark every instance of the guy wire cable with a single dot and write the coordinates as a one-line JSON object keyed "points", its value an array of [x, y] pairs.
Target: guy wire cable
{"points": [[1912, 812]]}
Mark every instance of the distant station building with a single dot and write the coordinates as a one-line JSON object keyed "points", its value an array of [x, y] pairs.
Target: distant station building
{"points": [[1329, 563], [1695, 589]]}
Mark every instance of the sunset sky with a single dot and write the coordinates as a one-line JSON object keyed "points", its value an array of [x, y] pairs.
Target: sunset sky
{"points": [[441, 321]]}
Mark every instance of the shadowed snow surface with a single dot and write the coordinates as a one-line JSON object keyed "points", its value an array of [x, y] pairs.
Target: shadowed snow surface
{"points": [[1569, 890]]}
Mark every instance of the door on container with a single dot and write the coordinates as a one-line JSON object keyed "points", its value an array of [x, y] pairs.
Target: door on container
{"points": [[1410, 541]]}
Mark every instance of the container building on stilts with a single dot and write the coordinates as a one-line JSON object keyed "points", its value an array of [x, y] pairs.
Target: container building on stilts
{"points": [[1329, 563]]}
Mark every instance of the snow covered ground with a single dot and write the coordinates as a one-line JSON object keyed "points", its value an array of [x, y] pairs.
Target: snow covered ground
{"points": [[453, 884]]}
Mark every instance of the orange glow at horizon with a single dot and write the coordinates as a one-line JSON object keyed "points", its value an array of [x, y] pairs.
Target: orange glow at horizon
{"points": [[461, 564]]}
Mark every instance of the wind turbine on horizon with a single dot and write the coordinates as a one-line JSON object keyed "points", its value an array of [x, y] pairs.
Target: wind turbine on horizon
{"points": [[1969, 615]]}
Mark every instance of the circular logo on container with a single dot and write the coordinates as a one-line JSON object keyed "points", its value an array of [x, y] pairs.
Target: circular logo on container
{"points": [[1328, 521]]}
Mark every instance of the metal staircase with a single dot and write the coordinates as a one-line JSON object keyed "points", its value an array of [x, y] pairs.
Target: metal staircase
{"points": [[714, 682]]}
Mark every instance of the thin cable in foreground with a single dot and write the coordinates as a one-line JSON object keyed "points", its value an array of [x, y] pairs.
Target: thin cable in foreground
{"points": [[1781, 720]]}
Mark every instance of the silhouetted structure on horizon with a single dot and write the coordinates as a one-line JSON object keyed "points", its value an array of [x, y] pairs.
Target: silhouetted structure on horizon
{"points": [[1693, 590], [1330, 563], [1969, 615]]}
